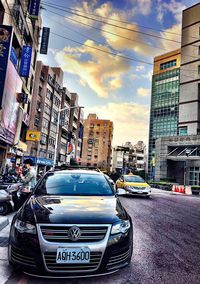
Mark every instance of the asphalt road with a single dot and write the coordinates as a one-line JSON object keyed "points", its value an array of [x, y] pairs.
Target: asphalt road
{"points": [[166, 244]]}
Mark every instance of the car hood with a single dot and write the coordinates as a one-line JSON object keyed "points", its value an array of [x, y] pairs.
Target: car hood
{"points": [[136, 184], [77, 209]]}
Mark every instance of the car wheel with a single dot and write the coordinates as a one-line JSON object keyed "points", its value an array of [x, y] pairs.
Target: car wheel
{"points": [[131, 253], [4, 208]]}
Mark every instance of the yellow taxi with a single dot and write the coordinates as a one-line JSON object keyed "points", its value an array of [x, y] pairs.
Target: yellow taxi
{"points": [[134, 184]]}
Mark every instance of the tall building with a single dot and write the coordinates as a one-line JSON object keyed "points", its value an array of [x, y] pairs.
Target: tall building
{"points": [[178, 158], [97, 142], [49, 97], [19, 39], [189, 105], [164, 102], [76, 127]]}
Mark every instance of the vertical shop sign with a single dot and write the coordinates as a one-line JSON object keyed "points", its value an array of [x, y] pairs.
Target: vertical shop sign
{"points": [[45, 40], [25, 61], [6, 34]]}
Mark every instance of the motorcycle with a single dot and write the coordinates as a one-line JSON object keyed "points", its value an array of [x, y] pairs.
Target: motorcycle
{"points": [[5, 202], [10, 197], [7, 178]]}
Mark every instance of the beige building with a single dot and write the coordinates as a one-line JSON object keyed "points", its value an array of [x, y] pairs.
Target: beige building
{"points": [[97, 142]]}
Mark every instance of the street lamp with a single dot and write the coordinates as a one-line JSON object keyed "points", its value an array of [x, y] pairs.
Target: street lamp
{"points": [[57, 129]]}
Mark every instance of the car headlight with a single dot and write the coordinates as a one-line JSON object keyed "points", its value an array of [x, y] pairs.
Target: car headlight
{"points": [[25, 227], [129, 187], [148, 188], [121, 227]]}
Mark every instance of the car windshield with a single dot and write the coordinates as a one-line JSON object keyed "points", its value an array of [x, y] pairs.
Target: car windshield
{"points": [[133, 179], [74, 184]]}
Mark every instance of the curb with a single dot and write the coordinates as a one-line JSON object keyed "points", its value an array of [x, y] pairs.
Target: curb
{"points": [[3, 222]]}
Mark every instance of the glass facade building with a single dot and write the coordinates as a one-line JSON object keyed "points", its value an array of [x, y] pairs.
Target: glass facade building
{"points": [[164, 103]]}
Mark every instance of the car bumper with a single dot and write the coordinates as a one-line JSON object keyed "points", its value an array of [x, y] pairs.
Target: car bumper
{"points": [[39, 259], [139, 192]]}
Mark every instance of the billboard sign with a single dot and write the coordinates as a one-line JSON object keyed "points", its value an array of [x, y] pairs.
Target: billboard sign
{"points": [[25, 61], [32, 135], [8, 124], [34, 8], [45, 40], [6, 34]]}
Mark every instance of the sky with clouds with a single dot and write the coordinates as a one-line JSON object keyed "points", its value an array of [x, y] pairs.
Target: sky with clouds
{"points": [[106, 49]]}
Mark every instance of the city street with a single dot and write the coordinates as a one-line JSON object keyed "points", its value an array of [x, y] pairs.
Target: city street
{"points": [[166, 244]]}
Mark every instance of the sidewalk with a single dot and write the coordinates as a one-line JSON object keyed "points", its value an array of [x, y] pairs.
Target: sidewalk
{"points": [[3, 222]]}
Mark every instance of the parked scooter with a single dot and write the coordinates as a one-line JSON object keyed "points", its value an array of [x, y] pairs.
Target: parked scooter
{"points": [[5, 202], [10, 197]]}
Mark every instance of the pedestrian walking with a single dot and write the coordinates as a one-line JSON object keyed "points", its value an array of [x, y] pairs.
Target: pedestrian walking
{"points": [[29, 180]]}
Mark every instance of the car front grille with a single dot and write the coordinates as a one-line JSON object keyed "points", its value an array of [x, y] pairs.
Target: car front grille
{"points": [[59, 234], [50, 260], [18, 256], [118, 259], [139, 188]]}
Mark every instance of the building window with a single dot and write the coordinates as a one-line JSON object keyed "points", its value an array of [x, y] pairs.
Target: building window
{"points": [[38, 107], [31, 84], [47, 109], [37, 121], [42, 76], [45, 123], [28, 107], [194, 176], [51, 156], [52, 141], [53, 128], [40, 91], [48, 94], [35, 57], [56, 101], [54, 116], [183, 131], [199, 69], [43, 139], [50, 80], [168, 64]]}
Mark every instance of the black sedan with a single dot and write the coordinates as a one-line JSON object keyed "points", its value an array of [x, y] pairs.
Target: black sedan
{"points": [[73, 225]]}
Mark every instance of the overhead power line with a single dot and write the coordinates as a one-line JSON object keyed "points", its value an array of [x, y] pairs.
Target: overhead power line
{"points": [[120, 36], [113, 20], [104, 51], [113, 25]]}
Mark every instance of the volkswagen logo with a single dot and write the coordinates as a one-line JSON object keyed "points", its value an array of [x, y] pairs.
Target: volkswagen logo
{"points": [[74, 233]]}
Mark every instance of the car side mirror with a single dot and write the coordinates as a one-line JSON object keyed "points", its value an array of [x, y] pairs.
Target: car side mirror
{"points": [[120, 192]]}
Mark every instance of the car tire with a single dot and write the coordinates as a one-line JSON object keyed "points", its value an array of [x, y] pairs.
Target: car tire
{"points": [[148, 196], [130, 257], [4, 208]]}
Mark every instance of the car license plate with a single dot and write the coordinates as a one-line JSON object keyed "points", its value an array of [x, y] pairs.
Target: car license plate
{"points": [[73, 255], [140, 191]]}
